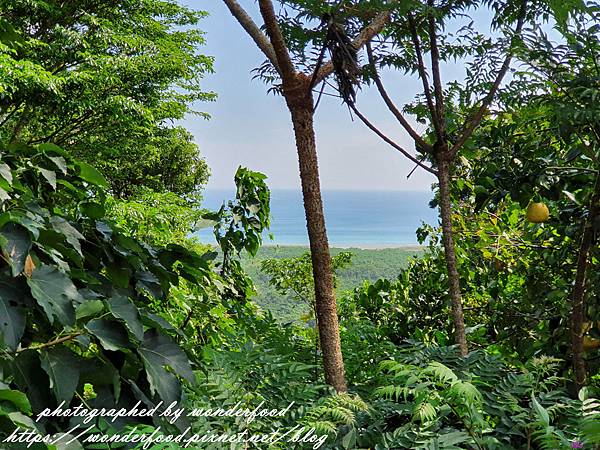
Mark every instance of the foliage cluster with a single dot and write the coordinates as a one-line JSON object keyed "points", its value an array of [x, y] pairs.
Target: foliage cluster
{"points": [[105, 81]]}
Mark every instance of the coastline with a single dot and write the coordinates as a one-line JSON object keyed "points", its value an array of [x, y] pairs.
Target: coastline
{"points": [[408, 247], [361, 247]]}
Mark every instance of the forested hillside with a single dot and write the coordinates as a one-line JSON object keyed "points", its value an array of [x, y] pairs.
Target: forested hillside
{"points": [[120, 329], [365, 265]]}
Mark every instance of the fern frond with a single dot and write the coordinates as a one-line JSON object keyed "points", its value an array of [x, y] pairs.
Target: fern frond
{"points": [[440, 372], [424, 412]]}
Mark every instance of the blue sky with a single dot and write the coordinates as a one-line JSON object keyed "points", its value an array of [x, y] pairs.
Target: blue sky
{"points": [[252, 128]]}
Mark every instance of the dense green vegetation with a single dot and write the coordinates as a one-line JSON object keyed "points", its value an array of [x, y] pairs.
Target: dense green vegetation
{"points": [[106, 80], [106, 301], [365, 265]]}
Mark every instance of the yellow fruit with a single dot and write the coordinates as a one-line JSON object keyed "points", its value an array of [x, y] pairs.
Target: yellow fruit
{"points": [[537, 212], [589, 343]]}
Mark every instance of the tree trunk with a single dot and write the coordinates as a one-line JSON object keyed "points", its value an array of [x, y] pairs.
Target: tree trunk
{"points": [[450, 255], [300, 103], [579, 289]]}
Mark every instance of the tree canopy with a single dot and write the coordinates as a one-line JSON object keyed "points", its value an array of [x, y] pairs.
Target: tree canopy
{"points": [[107, 81]]}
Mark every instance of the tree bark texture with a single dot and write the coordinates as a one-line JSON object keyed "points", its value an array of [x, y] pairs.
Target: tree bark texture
{"points": [[460, 337], [300, 103], [580, 287]]}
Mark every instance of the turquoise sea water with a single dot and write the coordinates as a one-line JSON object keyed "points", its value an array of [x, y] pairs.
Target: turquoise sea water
{"points": [[354, 218]]}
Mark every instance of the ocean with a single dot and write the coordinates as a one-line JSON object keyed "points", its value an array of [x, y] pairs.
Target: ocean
{"points": [[353, 218]]}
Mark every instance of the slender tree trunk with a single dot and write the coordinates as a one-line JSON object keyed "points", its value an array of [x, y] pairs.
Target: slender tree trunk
{"points": [[300, 103], [579, 289], [450, 255]]}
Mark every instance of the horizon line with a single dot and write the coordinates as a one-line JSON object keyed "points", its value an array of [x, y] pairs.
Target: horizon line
{"points": [[324, 189]]}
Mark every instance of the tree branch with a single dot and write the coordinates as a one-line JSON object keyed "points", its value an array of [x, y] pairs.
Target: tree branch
{"points": [[389, 141], [284, 61], [437, 78], [472, 123], [367, 33], [253, 31], [392, 107], [56, 341], [423, 72], [10, 114]]}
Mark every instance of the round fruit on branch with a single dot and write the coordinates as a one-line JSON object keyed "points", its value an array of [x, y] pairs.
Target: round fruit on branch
{"points": [[537, 212]]}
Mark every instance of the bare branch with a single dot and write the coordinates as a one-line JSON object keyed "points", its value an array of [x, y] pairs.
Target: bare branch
{"points": [[286, 66], [389, 141], [53, 342], [472, 122], [423, 72], [392, 107], [253, 31], [437, 78], [367, 33]]}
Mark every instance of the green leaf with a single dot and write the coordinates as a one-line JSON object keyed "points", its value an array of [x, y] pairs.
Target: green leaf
{"points": [[118, 275], [111, 334], [4, 195], [349, 440], [122, 308], [104, 229], [22, 420], [6, 173], [71, 234], [17, 398], [158, 351], [62, 369], [89, 309], [59, 162], [93, 210], [12, 319], [148, 281], [156, 321], [91, 175], [55, 292], [540, 411], [570, 196], [49, 175], [52, 148], [67, 442], [31, 379], [15, 246], [562, 9]]}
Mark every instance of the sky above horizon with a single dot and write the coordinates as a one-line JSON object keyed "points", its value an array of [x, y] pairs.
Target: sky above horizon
{"points": [[251, 128]]}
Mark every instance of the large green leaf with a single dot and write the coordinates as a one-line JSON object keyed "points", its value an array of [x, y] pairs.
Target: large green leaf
{"points": [[148, 281], [4, 195], [540, 411], [31, 379], [111, 334], [6, 173], [89, 308], [70, 233], [122, 308], [118, 275], [60, 162], [158, 322], [157, 352], [93, 210], [12, 319], [49, 175], [91, 175], [17, 398], [55, 292], [62, 369], [15, 246]]}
